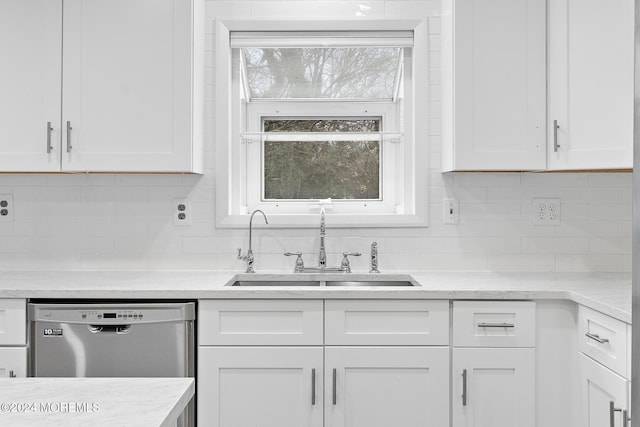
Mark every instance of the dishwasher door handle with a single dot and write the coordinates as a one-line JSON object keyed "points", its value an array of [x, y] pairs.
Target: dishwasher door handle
{"points": [[101, 329]]}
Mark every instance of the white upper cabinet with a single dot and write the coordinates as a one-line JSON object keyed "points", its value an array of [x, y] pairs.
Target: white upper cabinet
{"points": [[493, 85], [131, 85], [591, 48], [31, 55]]}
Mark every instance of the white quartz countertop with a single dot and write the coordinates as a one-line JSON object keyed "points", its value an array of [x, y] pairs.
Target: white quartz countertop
{"points": [[75, 402], [609, 293]]}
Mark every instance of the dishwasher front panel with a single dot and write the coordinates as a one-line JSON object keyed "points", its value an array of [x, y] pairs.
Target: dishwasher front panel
{"points": [[77, 350], [111, 340]]}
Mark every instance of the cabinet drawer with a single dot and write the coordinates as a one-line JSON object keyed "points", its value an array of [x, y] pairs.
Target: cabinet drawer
{"points": [[13, 362], [494, 323], [388, 322], [260, 322], [605, 339], [13, 322]]}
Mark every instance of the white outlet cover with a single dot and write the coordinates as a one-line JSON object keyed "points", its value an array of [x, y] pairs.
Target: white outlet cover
{"points": [[181, 212], [6, 207], [545, 211]]}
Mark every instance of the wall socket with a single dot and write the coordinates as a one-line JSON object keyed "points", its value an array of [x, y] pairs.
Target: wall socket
{"points": [[6, 207], [546, 211], [449, 211], [181, 212]]}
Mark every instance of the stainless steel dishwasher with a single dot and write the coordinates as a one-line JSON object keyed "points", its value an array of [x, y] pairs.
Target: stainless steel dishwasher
{"points": [[113, 340]]}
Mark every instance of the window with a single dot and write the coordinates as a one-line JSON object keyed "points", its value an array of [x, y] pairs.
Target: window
{"points": [[318, 115]]}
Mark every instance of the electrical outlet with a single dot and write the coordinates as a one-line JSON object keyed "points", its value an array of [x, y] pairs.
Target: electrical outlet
{"points": [[6, 207], [181, 212], [449, 211], [546, 211]]}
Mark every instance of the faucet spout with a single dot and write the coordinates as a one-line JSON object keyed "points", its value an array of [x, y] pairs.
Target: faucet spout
{"points": [[322, 258], [249, 256]]}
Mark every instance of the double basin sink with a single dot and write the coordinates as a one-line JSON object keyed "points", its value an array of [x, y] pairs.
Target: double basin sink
{"points": [[344, 280]]}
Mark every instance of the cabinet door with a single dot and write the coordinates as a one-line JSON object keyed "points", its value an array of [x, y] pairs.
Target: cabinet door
{"points": [[31, 55], [13, 362], [494, 85], [127, 85], [493, 387], [386, 386], [591, 50], [601, 391], [260, 386]]}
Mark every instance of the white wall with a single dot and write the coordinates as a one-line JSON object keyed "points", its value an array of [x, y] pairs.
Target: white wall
{"points": [[70, 222]]}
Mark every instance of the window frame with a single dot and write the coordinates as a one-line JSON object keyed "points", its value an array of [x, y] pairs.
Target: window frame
{"points": [[231, 209], [254, 185]]}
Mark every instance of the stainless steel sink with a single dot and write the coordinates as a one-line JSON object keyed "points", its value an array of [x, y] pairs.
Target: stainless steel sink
{"points": [[276, 283], [321, 280], [369, 283]]}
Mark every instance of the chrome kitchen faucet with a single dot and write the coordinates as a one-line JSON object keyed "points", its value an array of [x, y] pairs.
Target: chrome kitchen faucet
{"points": [[249, 256]]}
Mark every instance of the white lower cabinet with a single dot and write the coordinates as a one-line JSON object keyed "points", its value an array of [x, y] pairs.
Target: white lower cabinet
{"points": [[13, 362], [604, 395], [259, 380], [13, 338], [260, 386], [386, 386], [493, 387]]}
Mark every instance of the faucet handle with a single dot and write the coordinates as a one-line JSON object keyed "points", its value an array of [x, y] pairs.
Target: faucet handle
{"points": [[299, 268], [345, 266]]}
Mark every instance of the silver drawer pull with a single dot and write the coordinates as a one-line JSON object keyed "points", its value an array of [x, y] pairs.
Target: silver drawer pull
{"points": [[464, 387], [69, 128], [496, 325], [612, 412], [12, 374], [555, 136], [49, 130], [313, 386], [335, 386], [597, 338]]}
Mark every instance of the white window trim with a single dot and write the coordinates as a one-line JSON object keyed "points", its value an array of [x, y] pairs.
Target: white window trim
{"points": [[257, 110], [230, 209]]}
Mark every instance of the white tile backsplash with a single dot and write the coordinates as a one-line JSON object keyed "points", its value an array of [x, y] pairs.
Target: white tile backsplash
{"points": [[124, 221]]}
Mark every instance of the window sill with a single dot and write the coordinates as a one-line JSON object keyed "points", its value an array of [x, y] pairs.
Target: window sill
{"points": [[332, 220]]}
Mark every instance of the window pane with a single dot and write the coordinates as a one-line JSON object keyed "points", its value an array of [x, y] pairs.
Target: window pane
{"points": [[322, 169], [326, 73]]}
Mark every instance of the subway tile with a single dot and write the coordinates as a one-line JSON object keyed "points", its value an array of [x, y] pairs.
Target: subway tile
{"points": [[521, 262]]}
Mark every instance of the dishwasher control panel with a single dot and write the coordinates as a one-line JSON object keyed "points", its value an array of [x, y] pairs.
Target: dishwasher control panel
{"points": [[113, 314]]}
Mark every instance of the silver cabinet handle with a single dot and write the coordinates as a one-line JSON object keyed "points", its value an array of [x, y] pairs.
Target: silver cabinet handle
{"points": [[496, 325], [555, 136], [313, 386], [612, 412], [12, 374], [335, 387], [464, 387], [49, 130], [625, 418], [69, 128], [597, 338]]}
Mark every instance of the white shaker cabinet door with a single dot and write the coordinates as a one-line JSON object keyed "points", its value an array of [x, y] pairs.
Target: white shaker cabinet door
{"points": [[30, 73], [386, 386], [13, 362], [591, 50], [260, 386], [127, 85], [493, 387], [603, 393], [493, 85]]}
